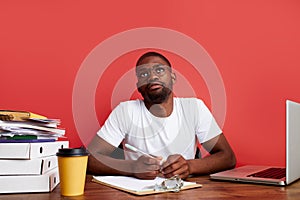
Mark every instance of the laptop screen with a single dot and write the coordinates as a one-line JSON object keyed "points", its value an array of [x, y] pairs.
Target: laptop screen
{"points": [[292, 141]]}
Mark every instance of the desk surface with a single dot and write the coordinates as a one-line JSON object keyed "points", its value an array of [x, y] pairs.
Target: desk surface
{"points": [[210, 190]]}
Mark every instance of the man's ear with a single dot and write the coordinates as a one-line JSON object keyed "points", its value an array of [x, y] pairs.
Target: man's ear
{"points": [[138, 88], [173, 76]]}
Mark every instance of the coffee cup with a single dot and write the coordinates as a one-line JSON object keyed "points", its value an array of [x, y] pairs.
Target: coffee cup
{"points": [[72, 164]]}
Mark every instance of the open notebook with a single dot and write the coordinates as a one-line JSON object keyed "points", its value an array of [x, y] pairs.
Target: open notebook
{"points": [[138, 186], [272, 174]]}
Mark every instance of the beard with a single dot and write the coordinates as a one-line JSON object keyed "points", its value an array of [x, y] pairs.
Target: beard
{"points": [[155, 97]]}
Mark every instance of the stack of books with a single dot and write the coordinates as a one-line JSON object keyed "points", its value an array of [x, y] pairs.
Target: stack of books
{"points": [[28, 147]]}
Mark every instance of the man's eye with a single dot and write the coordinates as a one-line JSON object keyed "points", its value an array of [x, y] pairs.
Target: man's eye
{"points": [[159, 70], [143, 74]]}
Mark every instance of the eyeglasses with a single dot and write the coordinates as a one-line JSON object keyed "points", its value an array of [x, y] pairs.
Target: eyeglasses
{"points": [[144, 71]]}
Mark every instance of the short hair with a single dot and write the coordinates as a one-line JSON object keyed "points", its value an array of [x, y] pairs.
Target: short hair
{"points": [[152, 53]]}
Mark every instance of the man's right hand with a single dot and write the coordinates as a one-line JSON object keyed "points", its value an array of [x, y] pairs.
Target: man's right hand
{"points": [[146, 167]]}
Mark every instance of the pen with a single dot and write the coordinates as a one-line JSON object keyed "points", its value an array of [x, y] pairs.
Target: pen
{"points": [[132, 148]]}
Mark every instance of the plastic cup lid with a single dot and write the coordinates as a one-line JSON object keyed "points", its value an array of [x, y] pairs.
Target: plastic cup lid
{"points": [[72, 152]]}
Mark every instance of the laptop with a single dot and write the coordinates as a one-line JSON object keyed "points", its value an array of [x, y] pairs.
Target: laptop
{"points": [[272, 174]]}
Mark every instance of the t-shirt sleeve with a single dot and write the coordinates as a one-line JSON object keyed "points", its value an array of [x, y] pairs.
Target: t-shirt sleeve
{"points": [[206, 125], [113, 130]]}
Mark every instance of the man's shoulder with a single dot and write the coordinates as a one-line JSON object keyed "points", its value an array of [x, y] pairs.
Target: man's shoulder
{"points": [[189, 104], [130, 106], [188, 100], [131, 103]]}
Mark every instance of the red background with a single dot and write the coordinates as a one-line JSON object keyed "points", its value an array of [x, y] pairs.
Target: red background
{"points": [[254, 43]]}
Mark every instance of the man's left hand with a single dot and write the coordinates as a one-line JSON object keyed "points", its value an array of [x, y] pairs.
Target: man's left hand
{"points": [[175, 165]]}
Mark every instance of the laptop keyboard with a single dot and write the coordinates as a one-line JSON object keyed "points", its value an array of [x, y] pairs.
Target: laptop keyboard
{"points": [[275, 173]]}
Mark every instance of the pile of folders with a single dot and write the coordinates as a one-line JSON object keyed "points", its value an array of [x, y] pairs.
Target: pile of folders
{"points": [[28, 146], [22, 126]]}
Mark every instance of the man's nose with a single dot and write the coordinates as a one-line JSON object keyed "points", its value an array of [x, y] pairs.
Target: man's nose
{"points": [[153, 75]]}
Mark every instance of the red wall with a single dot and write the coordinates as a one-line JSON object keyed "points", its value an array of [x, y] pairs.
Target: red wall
{"points": [[254, 44]]}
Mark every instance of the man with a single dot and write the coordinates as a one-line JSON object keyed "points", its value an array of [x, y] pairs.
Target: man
{"points": [[161, 125]]}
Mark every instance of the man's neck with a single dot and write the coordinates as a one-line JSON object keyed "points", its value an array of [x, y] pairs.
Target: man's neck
{"points": [[163, 109]]}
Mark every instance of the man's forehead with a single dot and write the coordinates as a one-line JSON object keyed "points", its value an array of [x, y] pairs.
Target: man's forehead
{"points": [[153, 59], [149, 65]]}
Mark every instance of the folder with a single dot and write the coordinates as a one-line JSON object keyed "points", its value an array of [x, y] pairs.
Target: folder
{"points": [[30, 183], [30, 150], [21, 125], [35, 166], [17, 115]]}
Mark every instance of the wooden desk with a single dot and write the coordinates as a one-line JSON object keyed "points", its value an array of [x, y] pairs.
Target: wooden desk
{"points": [[210, 190]]}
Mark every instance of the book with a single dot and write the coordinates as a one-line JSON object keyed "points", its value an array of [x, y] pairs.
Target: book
{"points": [[30, 183], [18, 115], [22, 138], [35, 166], [138, 186], [26, 140], [30, 150]]}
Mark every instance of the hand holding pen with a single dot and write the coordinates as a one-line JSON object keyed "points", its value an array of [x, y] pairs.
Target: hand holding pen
{"points": [[174, 165], [146, 166]]}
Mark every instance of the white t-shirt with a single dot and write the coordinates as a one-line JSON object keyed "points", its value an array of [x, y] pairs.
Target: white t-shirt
{"points": [[132, 123]]}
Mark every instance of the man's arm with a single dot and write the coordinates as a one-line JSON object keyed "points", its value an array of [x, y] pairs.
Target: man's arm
{"points": [[101, 163], [221, 158]]}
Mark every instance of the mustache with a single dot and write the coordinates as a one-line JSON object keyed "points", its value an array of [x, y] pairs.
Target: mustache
{"points": [[151, 83]]}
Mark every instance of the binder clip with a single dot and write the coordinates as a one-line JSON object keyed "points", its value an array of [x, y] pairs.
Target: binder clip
{"points": [[172, 184]]}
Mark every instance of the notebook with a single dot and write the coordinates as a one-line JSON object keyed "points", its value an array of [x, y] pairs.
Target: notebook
{"points": [[272, 174]]}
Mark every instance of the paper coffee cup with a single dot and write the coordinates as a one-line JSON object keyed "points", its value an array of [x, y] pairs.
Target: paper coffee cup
{"points": [[72, 164]]}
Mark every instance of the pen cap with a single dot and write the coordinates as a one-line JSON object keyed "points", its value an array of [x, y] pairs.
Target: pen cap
{"points": [[67, 152]]}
